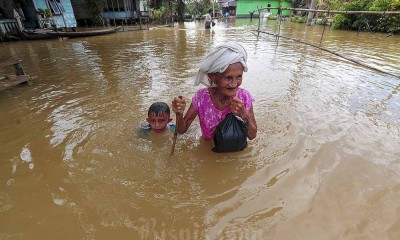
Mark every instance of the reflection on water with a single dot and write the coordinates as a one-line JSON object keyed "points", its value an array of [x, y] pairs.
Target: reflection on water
{"points": [[325, 163]]}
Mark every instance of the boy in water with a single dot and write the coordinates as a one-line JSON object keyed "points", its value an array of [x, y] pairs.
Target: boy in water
{"points": [[158, 119]]}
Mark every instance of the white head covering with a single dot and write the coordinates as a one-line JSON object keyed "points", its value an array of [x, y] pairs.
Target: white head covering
{"points": [[219, 59]]}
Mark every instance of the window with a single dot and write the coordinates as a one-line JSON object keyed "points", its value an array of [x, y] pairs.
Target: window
{"points": [[56, 6], [60, 6]]}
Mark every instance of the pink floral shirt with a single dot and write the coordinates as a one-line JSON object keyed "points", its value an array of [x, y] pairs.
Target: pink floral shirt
{"points": [[210, 116]]}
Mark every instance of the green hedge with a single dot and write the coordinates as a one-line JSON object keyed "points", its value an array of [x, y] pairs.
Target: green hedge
{"points": [[368, 22]]}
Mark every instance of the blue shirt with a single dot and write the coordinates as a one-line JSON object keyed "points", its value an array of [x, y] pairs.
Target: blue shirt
{"points": [[146, 128]]}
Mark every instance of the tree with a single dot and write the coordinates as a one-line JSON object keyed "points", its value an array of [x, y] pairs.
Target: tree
{"points": [[311, 14], [367, 22], [198, 7], [180, 10], [95, 7]]}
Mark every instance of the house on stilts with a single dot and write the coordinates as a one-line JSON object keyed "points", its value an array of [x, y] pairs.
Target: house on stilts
{"points": [[116, 11]]}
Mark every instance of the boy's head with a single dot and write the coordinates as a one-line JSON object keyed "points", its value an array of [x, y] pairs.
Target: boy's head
{"points": [[158, 116]]}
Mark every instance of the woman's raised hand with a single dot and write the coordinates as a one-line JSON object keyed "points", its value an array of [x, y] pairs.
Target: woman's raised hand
{"points": [[179, 105], [237, 108]]}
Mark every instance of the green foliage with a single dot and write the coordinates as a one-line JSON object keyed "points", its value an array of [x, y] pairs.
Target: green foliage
{"points": [[341, 21], [95, 7], [322, 21], [386, 23], [162, 9], [367, 22], [45, 12], [297, 3], [198, 8], [161, 14], [298, 19], [180, 10]]}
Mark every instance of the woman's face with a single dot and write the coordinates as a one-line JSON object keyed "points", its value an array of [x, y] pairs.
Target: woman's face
{"points": [[229, 81]]}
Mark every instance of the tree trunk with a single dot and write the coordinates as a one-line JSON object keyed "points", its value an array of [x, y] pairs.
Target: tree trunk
{"points": [[311, 14], [180, 10]]}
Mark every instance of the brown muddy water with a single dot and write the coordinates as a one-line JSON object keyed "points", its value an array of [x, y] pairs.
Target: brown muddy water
{"points": [[325, 163]]}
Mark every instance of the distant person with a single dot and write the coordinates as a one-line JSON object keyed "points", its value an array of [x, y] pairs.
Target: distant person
{"points": [[208, 20], [158, 119]]}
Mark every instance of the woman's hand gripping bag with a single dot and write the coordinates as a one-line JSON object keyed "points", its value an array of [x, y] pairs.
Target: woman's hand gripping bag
{"points": [[230, 135]]}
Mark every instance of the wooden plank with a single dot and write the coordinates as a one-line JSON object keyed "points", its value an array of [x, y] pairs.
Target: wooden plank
{"points": [[14, 80], [10, 62]]}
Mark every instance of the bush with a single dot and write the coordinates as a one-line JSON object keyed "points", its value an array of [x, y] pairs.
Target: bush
{"points": [[322, 21], [341, 22], [161, 14], [368, 22], [298, 19]]}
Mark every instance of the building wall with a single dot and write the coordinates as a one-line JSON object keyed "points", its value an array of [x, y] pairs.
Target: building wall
{"points": [[125, 9], [67, 19], [80, 10], [40, 4], [7, 9], [69, 15], [245, 6]]}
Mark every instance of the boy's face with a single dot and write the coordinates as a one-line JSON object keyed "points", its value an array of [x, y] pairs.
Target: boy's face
{"points": [[158, 123]]}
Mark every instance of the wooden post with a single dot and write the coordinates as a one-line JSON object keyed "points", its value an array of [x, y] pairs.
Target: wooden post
{"points": [[140, 19], [18, 69], [115, 24], [12, 80], [259, 19]]}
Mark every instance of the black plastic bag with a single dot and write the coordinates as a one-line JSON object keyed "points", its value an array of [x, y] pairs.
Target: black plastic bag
{"points": [[230, 135]]}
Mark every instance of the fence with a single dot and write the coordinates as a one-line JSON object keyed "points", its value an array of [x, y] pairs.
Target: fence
{"points": [[277, 35], [46, 23], [8, 25]]}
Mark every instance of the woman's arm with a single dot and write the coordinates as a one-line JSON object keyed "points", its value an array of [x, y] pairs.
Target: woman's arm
{"points": [[252, 125], [238, 109], [183, 122]]}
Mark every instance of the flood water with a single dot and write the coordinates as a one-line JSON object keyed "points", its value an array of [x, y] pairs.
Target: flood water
{"points": [[325, 163]]}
